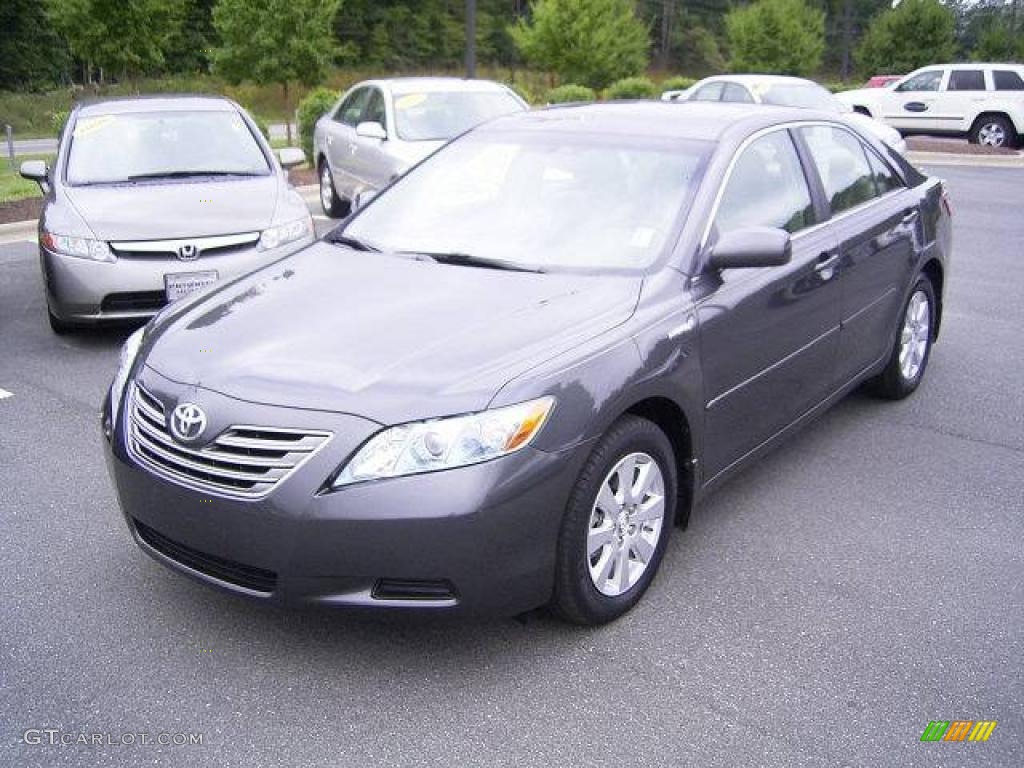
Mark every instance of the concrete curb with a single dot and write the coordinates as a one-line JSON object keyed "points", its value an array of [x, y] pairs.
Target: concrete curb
{"points": [[978, 161], [18, 230]]}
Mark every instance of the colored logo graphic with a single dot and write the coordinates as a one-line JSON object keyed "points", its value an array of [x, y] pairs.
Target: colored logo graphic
{"points": [[959, 730]]}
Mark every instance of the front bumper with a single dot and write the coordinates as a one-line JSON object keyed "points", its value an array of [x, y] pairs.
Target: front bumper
{"points": [[84, 291], [479, 539]]}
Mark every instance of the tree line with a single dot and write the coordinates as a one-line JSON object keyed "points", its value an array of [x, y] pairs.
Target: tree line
{"points": [[51, 43]]}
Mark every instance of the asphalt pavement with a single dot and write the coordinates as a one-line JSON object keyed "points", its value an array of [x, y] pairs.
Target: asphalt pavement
{"points": [[863, 580]]}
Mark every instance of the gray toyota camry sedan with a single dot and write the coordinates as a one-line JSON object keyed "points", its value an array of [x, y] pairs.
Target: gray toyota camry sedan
{"points": [[153, 198], [506, 381]]}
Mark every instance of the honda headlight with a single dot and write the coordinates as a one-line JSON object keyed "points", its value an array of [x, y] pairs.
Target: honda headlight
{"points": [[286, 233], [129, 351], [80, 247], [457, 441]]}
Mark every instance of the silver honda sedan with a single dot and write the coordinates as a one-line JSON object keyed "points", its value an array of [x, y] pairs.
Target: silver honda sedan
{"points": [[381, 128], [153, 198]]}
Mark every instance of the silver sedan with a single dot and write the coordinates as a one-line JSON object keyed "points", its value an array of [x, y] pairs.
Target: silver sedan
{"points": [[381, 128]]}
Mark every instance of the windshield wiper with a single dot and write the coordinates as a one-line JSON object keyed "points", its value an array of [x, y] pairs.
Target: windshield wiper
{"points": [[351, 242], [469, 260], [187, 174]]}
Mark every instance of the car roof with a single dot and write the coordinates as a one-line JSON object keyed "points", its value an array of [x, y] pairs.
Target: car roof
{"points": [[701, 121], [156, 103], [760, 79], [973, 65], [402, 85]]}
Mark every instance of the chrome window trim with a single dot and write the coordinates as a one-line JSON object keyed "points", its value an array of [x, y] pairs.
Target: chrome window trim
{"points": [[727, 177]]}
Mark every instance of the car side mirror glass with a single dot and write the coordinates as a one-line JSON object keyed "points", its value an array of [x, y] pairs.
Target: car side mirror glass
{"points": [[291, 157], [751, 247], [371, 130]]}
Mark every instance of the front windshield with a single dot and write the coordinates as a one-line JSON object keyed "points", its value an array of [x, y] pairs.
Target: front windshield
{"points": [[807, 96], [443, 115], [552, 200], [124, 147]]}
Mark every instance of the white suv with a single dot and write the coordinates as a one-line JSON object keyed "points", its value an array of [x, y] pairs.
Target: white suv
{"points": [[984, 102]]}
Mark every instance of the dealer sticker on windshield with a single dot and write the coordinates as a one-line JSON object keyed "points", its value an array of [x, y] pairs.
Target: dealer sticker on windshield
{"points": [[183, 283]]}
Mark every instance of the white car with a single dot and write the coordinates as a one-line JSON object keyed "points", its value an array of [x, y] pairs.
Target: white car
{"points": [[785, 92], [983, 102], [381, 128]]}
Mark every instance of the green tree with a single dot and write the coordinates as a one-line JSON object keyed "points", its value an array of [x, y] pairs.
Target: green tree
{"points": [[914, 33], [32, 56], [275, 41], [123, 37], [777, 36], [592, 42], [996, 41]]}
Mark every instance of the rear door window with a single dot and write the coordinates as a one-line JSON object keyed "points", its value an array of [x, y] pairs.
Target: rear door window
{"points": [[766, 188], [845, 174], [736, 93], [966, 80]]}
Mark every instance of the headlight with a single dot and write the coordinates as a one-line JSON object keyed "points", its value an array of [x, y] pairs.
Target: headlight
{"points": [[81, 247], [129, 351], [286, 233], [458, 441]]}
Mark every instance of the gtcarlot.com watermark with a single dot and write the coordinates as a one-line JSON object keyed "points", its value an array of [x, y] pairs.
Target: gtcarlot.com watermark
{"points": [[55, 737]]}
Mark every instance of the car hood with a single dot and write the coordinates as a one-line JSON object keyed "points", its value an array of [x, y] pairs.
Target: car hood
{"points": [[408, 153], [383, 337], [859, 95], [157, 211], [879, 129]]}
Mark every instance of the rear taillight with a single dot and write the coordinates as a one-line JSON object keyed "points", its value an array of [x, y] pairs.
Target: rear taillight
{"points": [[945, 201]]}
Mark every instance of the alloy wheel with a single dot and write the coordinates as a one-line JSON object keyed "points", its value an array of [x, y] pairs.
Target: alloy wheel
{"points": [[992, 135], [915, 336], [326, 188], [626, 523]]}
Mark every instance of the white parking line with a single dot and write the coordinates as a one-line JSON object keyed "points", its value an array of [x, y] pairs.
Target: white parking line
{"points": [[4, 394]]}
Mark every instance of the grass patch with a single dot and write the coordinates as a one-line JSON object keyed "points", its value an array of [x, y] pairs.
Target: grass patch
{"points": [[12, 186]]}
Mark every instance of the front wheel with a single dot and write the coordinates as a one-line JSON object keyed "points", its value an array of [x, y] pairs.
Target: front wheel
{"points": [[912, 348], [994, 131], [333, 205], [617, 523]]}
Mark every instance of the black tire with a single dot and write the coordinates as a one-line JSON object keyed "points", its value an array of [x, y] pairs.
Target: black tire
{"points": [[333, 205], [892, 383], [993, 125], [576, 598]]}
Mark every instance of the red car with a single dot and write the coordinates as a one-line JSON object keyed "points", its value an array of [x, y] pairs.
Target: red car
{"points": [[880, 81]]}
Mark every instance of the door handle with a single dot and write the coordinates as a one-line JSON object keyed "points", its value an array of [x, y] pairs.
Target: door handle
{"points": [[826, 266], [909, 217]]}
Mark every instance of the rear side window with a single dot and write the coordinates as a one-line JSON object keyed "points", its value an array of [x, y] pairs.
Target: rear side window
{"points": [[709, 92], [842, 165], [767, 188], [966, 80], [1007, 80], [886, 179]]}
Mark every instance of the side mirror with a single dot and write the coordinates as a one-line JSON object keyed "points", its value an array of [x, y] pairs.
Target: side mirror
{"points": [[291, 157], [362, 197], [35, 170], [371, 130], [751, 247]]}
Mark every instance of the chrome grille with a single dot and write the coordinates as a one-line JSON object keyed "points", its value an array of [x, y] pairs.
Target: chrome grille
{"points": [[243, 461]]}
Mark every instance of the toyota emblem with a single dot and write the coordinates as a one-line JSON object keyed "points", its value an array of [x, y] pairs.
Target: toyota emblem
{"points": [[188, 252], [187, 422]]}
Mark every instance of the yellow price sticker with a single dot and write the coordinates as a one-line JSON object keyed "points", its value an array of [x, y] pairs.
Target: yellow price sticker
{"points": [[410, 100], [88, 125]]}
